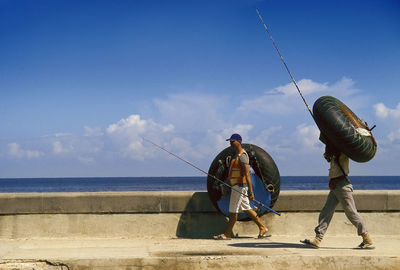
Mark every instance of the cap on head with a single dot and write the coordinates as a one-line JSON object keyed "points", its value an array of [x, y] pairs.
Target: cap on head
{"points": [[235, 137]]}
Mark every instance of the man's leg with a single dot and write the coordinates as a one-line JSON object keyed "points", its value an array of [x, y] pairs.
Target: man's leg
{"points": [[326, 214], [325, 217], [345, 196], [232, 220], [234, 205], [262, 228]]}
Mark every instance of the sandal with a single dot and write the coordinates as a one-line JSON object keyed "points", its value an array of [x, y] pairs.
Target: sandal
{"points": [[220, 237], [264, 235]]}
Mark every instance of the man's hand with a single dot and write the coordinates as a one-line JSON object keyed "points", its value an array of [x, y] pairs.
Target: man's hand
{"points": [[328, 157], [251, 196]]}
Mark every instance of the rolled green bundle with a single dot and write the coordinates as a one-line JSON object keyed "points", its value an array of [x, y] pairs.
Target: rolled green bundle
{"points": [[344, 129]]}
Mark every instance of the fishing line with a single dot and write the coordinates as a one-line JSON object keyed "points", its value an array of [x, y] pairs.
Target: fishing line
{"points": [[212, 176], [284, 63]]}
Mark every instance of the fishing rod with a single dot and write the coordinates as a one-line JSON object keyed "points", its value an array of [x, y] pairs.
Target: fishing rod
{"points": [[212, 176], [284, 63]]}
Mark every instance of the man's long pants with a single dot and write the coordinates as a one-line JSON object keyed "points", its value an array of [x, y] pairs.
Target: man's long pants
{"points": [[343, 194]]}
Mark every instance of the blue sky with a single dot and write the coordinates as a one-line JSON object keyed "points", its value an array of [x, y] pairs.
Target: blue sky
{"points": [[81, 82]]}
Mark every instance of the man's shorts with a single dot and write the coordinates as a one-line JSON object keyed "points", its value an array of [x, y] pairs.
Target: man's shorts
{"points": [[239, 201]]}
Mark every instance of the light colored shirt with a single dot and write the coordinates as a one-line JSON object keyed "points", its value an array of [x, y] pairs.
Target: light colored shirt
{"points": [[244, 158], [334, 170]]}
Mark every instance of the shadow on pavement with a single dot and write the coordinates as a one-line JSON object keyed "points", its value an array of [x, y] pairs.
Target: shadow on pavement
{"points": [[200, 220], [281, 245], [270, 245]]}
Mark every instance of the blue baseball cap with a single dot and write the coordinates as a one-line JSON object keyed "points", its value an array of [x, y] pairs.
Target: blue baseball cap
{"points": [[235, 137]]}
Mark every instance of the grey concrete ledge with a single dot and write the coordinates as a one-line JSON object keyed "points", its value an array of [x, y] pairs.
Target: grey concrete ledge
{"points": [[366, 200], [174, 202], [104, 202]]}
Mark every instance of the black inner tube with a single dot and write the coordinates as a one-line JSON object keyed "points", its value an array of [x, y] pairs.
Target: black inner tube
{"points": [[344, 129], [262, 164]]}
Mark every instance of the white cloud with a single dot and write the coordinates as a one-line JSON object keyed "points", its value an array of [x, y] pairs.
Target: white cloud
{"points": [[343, 88], [89, 132], [268, 104], [218, 137], [308, 137], [265, 136], [394, 136], [383, 112], [57, 147], [306, 87], [127, 135], [15, 151], [195, 127], [60, 135], [188, 124], [73, 146], [134, 126], [67, 144], [184, 148], [285, 99], [390, 119]]}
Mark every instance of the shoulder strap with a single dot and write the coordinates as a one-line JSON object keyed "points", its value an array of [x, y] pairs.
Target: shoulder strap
{"points": [[340, 166]]}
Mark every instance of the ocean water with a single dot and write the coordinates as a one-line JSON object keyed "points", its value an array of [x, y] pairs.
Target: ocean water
{"points": [[196, 183]]}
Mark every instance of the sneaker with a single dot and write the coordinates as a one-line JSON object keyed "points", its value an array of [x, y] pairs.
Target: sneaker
{"points": [[367, 242], [315, 243]]}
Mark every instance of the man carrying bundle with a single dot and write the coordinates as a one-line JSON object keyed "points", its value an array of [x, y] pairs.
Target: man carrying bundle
{"points": [[341, 191], [242, 190]]}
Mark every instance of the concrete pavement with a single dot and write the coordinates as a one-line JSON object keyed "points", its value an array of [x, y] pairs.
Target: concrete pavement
{"points": [[245, 252]]}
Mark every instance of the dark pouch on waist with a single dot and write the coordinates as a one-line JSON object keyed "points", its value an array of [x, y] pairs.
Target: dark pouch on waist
{"points": [[333, 182]]}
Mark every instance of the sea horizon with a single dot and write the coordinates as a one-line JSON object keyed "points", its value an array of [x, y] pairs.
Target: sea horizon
{"points": [[175, 183], [184, 176]]}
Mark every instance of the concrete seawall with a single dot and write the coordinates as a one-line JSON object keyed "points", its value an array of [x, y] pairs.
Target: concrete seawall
{"points": [[172, 230], [176, 214]]}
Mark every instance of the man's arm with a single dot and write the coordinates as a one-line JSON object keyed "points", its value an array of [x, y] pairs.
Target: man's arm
{"points": [[246, 172]]}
